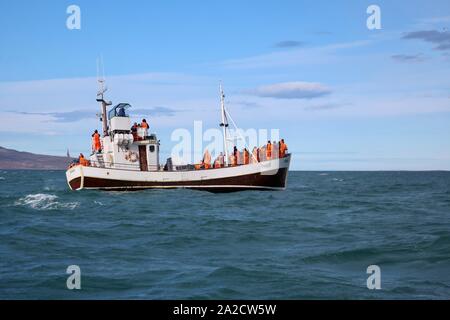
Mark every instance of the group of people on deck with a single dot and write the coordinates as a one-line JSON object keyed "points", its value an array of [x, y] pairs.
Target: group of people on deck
{"points": [[134, 129], [96, 142], [272, 150], [97, 145]]}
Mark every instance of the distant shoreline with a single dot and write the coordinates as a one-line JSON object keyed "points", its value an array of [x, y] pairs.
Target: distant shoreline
{"points": [[19, 160]]}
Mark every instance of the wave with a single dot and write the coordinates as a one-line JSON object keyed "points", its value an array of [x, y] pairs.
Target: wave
{"points": [[43, 201], [2, 178]]}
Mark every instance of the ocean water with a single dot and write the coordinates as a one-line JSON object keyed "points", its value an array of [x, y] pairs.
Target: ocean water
{"points": [[313, 241]]}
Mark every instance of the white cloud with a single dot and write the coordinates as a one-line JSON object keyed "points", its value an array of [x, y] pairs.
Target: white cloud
{"points": [[291, 90], [408, 58], [431, 22], [302, 56], [156, 92]]}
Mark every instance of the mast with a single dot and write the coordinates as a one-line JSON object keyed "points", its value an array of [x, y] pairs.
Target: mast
{"points": [[100, 98], [224, 124]]}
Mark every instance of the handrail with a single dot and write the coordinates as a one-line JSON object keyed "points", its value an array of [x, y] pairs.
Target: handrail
{"points": [[119, 165]]}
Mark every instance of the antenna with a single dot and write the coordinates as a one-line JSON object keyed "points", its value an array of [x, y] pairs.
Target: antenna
{"points": [[100, 94], [103, 67], [98, 76], [101, 78]]}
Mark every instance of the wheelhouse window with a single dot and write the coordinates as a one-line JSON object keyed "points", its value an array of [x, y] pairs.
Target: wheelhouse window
{"points": [[120, 110]]}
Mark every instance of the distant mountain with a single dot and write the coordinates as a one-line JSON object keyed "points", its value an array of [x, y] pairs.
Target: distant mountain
{"points": [[12, 159]]}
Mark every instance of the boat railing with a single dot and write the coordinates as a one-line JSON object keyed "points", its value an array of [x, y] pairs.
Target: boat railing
{"points": [[136, 166], [124, 166]]}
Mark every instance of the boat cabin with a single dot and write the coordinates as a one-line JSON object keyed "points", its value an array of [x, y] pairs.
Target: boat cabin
{"points": [[123, 148]]}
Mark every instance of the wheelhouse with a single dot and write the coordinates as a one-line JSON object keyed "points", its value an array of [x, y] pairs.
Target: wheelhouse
{"points": [[120, 110]]}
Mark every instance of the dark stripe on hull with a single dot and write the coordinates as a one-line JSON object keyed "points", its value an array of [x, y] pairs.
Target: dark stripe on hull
{"points": [[246, 182]]}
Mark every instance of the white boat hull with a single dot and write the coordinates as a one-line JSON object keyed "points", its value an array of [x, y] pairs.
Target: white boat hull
{"points": [[267, 175]]}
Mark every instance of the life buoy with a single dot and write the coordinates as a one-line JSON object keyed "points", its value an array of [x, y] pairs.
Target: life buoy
{"points": [[133, 157]]}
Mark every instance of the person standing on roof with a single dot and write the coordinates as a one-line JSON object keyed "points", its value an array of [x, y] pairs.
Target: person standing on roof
{"points": [[96, 145], [144, 124], [134, 130]]}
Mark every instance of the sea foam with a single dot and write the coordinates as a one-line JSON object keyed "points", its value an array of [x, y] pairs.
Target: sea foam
{"points": [[43, 201]]}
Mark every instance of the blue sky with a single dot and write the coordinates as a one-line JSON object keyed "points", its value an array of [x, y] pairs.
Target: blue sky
{"points": [[343, 96]]}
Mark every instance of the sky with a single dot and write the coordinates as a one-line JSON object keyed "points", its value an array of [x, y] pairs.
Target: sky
{"points": [[343, 96]]}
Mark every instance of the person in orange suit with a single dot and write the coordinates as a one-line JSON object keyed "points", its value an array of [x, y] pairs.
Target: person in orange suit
{"points": [[96, 145], [268, 150], [144, 124], [144, 133], [234, 160], [246, 156], [283, 148], [206, 159], [82, 160]]}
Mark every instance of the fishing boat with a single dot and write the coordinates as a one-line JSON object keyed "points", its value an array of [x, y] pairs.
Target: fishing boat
{"points": [[129, 160]]}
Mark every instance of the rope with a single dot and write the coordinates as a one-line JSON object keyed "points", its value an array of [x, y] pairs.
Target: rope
{"points": [[239, 133]]}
